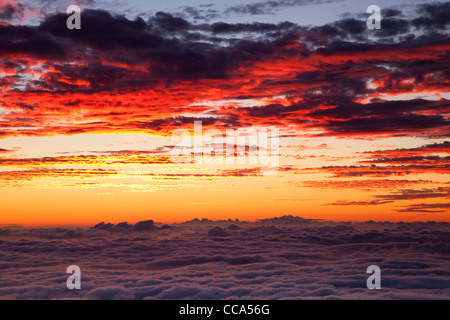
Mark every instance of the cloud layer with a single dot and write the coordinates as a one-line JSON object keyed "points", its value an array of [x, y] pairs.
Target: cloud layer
{"points": [[281, 258], [121, 75]]}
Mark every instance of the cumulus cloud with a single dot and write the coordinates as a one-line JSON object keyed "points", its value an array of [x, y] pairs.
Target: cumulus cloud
{"points": [[218, 232]]}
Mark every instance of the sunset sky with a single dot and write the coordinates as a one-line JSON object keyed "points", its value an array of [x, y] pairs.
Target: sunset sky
{"points": [[87, 116]]}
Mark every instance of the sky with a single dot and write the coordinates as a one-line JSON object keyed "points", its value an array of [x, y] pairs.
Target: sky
{"points": [[87, 117]]}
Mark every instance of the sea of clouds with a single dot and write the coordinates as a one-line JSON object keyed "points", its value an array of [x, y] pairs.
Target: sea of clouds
{"points": [[280, 258]]}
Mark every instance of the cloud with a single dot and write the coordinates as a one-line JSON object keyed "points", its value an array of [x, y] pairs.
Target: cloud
{"points": [[386, 117], [409, 194], [124, 227], [365, 185], [201, 12], [269, 7], [412, 159], [168, 66], [218, 232], [434, 16], [105, 158], [359, 203], [60, 173], [12, 11], [279, 258], [378, 171], [6, 150], [110, 293], [443, 147], [404, 194], [143, 226], [179, 292], [426, 207], [393, 163]]}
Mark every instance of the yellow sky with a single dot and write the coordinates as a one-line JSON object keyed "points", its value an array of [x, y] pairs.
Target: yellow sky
{"points": [[163, 192]]}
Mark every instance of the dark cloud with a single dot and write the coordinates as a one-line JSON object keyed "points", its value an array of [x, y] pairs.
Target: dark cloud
{"points": [[409, 194], [218, 232], [143, 226], [25, 40], [389, 116], [443, 147], [426, 207], [379, 171], [389, 13], [10, 11], [202, 12], [363, 185], [223, 27], [359, 203], [412, 159], [105, 31], [174, 64], [269, 7], [433, 16], [152, 42], [168, 22]]}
